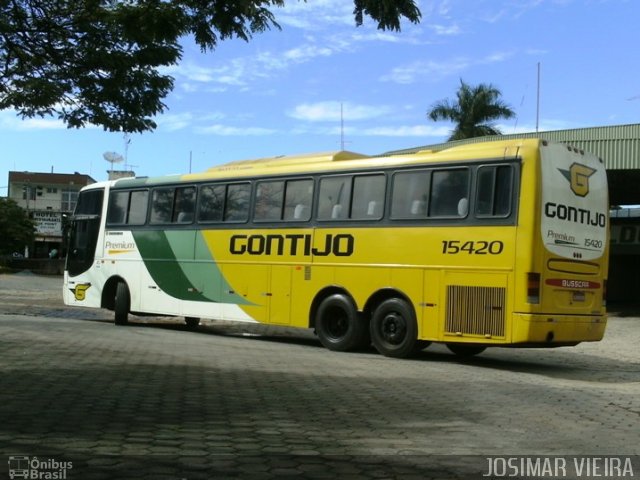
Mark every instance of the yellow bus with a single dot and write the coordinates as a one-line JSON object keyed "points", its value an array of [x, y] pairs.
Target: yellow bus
{"points": [[502, 243]]}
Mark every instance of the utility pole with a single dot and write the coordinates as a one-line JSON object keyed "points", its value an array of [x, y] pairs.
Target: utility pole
{"points": [[341, 127], [538, 100]]}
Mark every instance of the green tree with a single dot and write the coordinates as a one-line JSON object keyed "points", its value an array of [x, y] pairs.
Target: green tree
{"points": [[97, 61], [18, 230], [473, 111]]}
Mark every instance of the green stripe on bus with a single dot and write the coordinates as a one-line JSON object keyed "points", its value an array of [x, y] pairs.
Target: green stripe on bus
{"points": [[163, 253]]}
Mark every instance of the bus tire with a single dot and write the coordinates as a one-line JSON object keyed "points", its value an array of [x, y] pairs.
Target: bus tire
{"points": [[465, 349], [394, 330], [338, 325], [122, 304], [192, 322]]}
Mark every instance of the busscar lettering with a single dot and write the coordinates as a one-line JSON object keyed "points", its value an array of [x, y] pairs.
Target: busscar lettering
{"points": [[340, 245], [574, 214]]}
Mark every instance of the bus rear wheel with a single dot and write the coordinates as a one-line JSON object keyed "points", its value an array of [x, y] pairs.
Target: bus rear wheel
{"points": [[465, 350], [394, 330], [338, 325], [122, 304]]}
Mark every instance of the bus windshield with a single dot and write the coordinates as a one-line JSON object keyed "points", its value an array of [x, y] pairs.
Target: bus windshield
{"points": [[83, 234]]}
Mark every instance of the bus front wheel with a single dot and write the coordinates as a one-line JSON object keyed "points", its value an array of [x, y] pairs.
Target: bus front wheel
{"points": [[338, 325], [394, 330], [121, 304]]}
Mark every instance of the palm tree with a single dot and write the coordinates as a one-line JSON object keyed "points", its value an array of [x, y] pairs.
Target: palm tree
{"points": [[475, 109]]}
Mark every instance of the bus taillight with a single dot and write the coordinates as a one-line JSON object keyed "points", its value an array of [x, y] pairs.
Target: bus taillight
{"points": [[533, 287]]}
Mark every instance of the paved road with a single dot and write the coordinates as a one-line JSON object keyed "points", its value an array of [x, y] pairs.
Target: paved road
{"points": [[155, 400]]}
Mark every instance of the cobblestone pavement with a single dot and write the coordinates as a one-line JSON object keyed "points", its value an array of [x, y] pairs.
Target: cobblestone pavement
{"points": [[156, 400]]}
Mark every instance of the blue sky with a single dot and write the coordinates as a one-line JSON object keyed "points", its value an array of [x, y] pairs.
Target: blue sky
{"points": [[281, 93]]}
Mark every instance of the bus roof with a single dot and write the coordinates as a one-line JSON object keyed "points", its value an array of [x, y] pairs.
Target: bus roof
{"points": [[340, 161]]}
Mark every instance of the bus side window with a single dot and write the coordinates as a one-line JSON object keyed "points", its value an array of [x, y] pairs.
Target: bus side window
{"points": [[118, 204], [128, 207], [410, 194], [297, 201], [236, 207], [269, 198], [185, 203], [161, 205], [335, 195], [368, 197], [494, 188], [211, 203], [448, 188], [138, 207]]}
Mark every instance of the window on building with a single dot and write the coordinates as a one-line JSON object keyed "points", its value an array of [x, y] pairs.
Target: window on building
{"points": [[69, 200]]}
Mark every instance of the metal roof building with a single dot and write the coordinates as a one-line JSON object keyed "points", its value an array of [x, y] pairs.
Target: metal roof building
{"points": [[617, 145]]}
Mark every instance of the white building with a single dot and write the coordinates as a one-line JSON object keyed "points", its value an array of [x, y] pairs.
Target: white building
{"points": [[47, 197]]}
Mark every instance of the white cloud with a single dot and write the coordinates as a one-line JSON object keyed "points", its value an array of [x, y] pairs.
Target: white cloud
{"points": [[173, 122], [226, 130], [9, 120], [328, 30], [446, 30], [429, 70], [395, 131], [405, 131], [306, 52], [316, 15], [545, 125], [329, 111], [192, 75], [496, 57], [242, 71], [435, 70]]}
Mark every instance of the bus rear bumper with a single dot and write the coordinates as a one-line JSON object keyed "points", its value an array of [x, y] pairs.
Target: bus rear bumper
{"points": [[557, 330]]}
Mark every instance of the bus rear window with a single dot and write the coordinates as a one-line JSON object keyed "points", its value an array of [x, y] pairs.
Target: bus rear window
{"points": [[494, 187]]}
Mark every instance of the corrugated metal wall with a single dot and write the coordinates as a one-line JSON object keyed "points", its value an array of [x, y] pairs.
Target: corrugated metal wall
{"points": [[617, 145]]}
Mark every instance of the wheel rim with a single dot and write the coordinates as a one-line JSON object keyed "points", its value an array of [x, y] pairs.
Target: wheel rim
{"points": [[336, 324], [393, 328]]}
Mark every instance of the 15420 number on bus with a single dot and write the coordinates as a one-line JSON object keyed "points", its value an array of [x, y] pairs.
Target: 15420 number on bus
{"points": [[477, 247]]}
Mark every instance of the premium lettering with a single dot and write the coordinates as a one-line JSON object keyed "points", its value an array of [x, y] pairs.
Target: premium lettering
{"points": [[340, 245]]}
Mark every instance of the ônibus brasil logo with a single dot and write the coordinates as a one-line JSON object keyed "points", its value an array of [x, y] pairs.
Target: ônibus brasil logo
{"points": [[28, 467]]}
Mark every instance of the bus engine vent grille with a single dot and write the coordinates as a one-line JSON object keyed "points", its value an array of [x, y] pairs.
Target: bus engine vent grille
{"points": [[475, 311]]}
